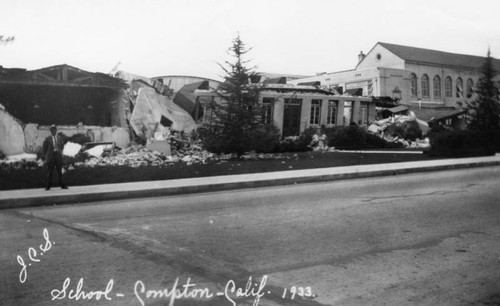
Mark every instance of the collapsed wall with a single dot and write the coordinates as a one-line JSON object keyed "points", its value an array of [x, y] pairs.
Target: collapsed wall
{"points": [[18, 138], [152, 109], [11, 134], [35, 135]]}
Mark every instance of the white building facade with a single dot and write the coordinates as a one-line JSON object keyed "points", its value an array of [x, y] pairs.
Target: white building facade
{"points": [[409, 75]]}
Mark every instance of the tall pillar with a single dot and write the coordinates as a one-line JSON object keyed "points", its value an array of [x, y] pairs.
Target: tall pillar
{"points": [[324, 112], [355, 111], [278, 112], [340, 112], [305, 113]]}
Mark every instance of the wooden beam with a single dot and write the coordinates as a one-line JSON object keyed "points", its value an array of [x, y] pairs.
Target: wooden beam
{"points": [[56, 83], [44, 76], [81, 79]]}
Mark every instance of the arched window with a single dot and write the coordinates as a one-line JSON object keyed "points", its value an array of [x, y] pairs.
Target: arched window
{"points": [[460, 88], [468, 87], [436, 83], [425, 86], [448, 87], [414, 89]]}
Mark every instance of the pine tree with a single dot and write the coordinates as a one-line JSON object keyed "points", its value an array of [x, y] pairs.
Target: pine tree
{"points": [[485, 110], [237, 125]]}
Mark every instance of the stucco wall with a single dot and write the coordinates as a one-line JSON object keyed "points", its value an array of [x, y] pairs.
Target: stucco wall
{"points": [[390, 79], [35, 135], [442, 72], [278, 108], [381, 57]]}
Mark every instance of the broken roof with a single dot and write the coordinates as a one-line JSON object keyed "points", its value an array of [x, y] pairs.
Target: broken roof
{"points": [[440, 58], [398, 109], [185, 97], [436, 114], [297, 88], [60, 75]]}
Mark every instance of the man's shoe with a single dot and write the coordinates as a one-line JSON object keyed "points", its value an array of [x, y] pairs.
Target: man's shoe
{"points": [[64, 187]]}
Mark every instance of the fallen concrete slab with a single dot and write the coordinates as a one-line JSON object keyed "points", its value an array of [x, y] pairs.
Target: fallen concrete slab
{"points": [[152, 109], [11, 134]]}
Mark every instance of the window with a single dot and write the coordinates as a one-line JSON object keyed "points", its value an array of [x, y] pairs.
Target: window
{"points": [[165, 121], [436, 83], [332, 112], [468, 87], [207, 113], [460, 88], [267, 110], [414, 88], [425, 86], [315, 111], [448, 87]]}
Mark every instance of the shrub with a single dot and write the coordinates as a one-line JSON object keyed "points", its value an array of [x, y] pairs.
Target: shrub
{"points": [[264, 138], [354, 138], [296, 143], [291, 144], [464, 143]]}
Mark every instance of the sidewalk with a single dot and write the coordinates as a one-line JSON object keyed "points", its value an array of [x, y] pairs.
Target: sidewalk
{"points": [[79, 194]]}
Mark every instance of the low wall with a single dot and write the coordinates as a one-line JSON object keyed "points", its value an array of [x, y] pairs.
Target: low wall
{"points": [[35, 134]]}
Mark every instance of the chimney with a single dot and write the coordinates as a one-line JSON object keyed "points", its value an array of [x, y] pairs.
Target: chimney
{"points": [[361, 56]]}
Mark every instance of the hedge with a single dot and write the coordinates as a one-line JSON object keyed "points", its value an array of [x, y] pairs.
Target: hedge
{"points": [[465, 143]]}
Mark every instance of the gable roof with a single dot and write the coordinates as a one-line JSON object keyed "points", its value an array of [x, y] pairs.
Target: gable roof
{"points": [[439, 58]]}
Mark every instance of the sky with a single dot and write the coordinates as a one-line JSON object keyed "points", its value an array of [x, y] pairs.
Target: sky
{"points": [[190, 37]]}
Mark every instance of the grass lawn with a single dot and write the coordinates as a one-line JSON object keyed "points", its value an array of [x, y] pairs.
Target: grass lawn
{"points": [[35, 178]]}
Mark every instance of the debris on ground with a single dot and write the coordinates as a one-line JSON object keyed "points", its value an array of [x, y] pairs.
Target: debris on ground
{"points": [[319, 143], [383, 127], [71, 149], [20, 161], [164, 149]]}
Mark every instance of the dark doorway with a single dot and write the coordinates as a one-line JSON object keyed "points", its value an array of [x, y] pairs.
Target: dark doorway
{"points": [[291, 117]]}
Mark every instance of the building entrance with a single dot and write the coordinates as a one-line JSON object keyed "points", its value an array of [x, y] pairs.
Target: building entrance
{"points": [[291, 117]]}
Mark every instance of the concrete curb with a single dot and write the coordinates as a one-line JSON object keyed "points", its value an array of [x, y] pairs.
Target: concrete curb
{"points": [[79, 194]]}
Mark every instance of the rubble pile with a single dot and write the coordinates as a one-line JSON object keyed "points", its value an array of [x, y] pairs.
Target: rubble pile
{"points": [[19, 161], [263, 156], [417, 144], [184, 149], [382, 127]]}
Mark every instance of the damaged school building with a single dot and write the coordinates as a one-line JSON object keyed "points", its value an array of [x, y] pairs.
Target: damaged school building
{"points": [[102, 107], [62, 95], [294, 108], [390, 81], [120, 107]]}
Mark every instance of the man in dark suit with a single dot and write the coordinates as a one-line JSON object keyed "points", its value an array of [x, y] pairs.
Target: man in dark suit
{"points": [[52, 154]]}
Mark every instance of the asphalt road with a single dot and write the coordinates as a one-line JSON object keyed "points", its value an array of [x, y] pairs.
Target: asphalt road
{"points": [[427, 239]]}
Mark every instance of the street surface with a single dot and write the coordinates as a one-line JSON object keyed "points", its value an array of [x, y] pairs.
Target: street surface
{"points": [[421, 239]]}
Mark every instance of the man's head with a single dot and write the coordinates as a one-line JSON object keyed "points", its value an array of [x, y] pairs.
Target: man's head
{"points": [[53, 130]]}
